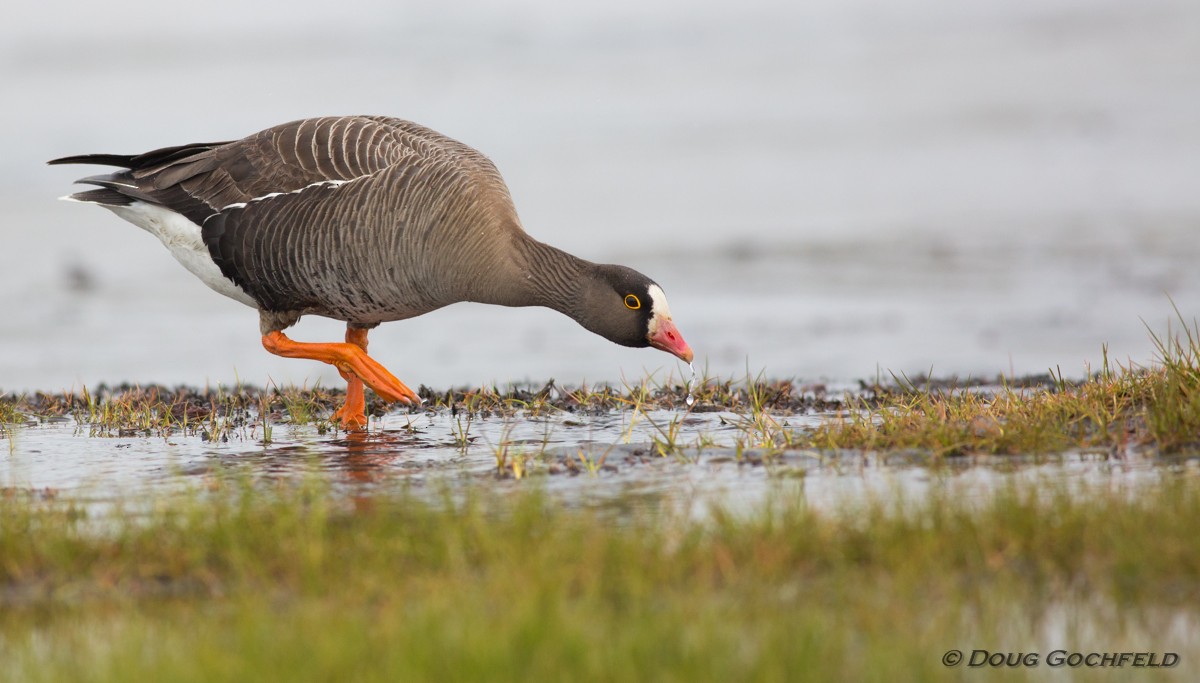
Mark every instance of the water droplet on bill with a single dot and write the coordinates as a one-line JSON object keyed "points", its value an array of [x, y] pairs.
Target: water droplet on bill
{"points": [[691, 399]]}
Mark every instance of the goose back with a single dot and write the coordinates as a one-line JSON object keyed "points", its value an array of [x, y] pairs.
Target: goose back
{"points": [[361, 218]]}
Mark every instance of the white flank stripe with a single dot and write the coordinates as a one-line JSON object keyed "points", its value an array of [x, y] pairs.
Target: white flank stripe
{"points": [[271, 195]]}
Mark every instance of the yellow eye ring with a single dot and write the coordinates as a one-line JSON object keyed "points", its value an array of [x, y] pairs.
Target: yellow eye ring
{"points": [[632, 302]]}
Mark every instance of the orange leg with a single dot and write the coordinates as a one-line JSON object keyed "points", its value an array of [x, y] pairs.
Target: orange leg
{"points": [[354, 413], [352, 361]]}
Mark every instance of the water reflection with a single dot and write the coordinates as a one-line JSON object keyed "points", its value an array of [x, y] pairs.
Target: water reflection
{"points": [[351, 457], [578, 460], [366, 455]]}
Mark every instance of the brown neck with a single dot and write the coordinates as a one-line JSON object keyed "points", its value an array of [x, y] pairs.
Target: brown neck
{"points": [[540, 275]]}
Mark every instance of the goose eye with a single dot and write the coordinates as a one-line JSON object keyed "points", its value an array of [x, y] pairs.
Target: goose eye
{"points": [[632, 302]]}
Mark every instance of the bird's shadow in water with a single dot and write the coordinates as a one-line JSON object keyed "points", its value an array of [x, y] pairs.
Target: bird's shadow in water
{"points": [[368, 457], [355, 458]]}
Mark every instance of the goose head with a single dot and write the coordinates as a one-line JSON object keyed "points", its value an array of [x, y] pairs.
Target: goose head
{"points": [[628, 308]]}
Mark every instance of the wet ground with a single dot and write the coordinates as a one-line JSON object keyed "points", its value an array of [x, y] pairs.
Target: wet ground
{"points": [[582, 448]]}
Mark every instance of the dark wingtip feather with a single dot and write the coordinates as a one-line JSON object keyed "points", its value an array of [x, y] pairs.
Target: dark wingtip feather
{"points": [[119, 182], [122, 160], [157, 157], [103, 196], [111, 180]]}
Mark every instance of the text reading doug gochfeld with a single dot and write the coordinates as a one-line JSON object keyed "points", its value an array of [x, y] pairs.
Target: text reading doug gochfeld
{"points": [[1057, 658]]}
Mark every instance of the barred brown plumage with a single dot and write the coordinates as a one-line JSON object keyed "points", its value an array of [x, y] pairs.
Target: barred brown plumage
{"points": [[365, 219]]}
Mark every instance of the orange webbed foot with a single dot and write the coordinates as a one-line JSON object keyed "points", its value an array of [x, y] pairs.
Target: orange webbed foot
{"points": [[350, 359]]}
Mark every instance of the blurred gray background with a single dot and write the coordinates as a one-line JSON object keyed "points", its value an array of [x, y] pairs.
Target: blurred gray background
{"points": [[824, 189]]}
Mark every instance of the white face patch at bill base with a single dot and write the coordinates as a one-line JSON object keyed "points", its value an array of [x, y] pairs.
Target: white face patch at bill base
{"points": [[659, 310]]}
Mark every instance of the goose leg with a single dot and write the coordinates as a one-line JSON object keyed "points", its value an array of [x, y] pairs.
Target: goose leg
{"points": [[351, 360], [353, 413]]}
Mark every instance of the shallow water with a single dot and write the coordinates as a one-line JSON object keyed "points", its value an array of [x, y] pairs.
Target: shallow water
{"points": [[826, 190], [579, 459]]}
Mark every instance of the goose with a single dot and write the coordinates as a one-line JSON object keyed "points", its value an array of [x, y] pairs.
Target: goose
{"points": [[363, 219]]}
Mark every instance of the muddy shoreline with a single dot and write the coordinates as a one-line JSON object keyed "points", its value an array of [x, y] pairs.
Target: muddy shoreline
{"points": [[783, 396]]}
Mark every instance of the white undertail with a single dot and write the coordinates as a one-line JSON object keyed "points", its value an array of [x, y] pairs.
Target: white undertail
{"points": [[183, 238]]}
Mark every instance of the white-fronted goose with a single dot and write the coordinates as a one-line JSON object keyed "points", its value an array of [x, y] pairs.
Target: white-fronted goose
{"points": [[365, 219]]}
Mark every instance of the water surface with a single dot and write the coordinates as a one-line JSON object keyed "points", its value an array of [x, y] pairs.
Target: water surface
{"points": [[825, 189], [579, 459]]}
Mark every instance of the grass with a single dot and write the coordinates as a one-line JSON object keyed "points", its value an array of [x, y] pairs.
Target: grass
{"points": [[288, 579], [133, 410], [292, 582], [1156, 408]]}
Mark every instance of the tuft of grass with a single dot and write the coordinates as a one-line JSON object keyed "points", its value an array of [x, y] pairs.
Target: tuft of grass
{"points": [[460, 431], [1117, 408], [10, 415], [1172, 406], [243, 579], [510, 460], [9, 412], [302, 405], [591, 464]]}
